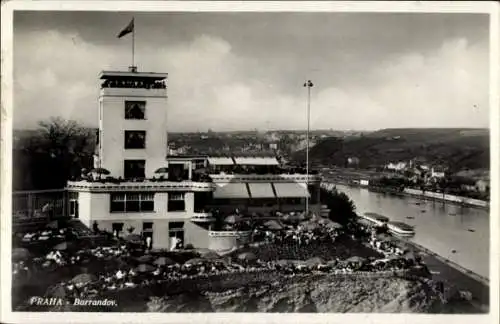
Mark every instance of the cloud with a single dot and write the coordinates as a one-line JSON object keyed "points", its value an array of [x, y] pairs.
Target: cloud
{"points": [[212, 87]]}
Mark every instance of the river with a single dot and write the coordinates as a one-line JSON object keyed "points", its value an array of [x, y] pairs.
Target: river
{"points": [[440, 227]]}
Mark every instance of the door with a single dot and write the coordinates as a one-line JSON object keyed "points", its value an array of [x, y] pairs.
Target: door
{"points": [[147, 232]]}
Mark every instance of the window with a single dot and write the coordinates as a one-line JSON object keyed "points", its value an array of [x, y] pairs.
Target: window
{"points": [[176, 201], [135, 139], [135, 110], [134, 169], [132, 202]]}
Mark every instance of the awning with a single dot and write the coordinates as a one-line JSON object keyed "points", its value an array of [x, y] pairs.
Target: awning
{"points": [[220, 161], [256, 161], [291, 190], [231, 190], [261, 190]]}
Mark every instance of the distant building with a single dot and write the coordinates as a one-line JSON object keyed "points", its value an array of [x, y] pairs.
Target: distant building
{"points": [[482, 185], [353, 161], [399, 166], [438, 172], [424, 167]]}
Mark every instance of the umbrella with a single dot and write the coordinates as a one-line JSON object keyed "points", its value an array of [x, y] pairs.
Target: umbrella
{"points": [[145, 259], [47, 207], [273, 225], [233, 219], [83, 278], [334, 225], [332, 263], [53, 224], [195, 261], [248, 256], [133, 238], [210, 255], [314, 261], [409, 256], [355, 259], [284, 262], [393, 257], [162, 170], [145, 268], [20, 254], [64, 246], [100, 171], [310, 226], [163, 261]]}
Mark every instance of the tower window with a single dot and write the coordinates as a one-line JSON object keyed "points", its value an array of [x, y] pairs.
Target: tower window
{"points": [[134, 169], [135, 139], [135, 110], [176, 201]]}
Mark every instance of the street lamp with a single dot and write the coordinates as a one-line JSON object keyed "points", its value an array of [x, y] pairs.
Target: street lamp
{"points": [[308, 84]]}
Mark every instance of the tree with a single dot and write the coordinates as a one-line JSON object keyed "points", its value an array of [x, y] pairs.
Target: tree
{"points": [[342, 208], [57, 151]]}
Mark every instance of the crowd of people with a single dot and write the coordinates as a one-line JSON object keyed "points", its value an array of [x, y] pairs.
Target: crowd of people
{"points": [[46, 235], [134, 84], [147, 274], [289, 244], [301, 236]]}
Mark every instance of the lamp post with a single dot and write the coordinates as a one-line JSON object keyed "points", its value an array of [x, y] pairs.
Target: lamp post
{"points": [[308, 84]]}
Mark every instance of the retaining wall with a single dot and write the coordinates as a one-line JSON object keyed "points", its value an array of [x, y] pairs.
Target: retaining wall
{"points": [[447, 197]]}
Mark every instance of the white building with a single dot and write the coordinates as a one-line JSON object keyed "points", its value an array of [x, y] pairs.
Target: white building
{"points": [[399, 166], [166, 198], [437, 172]]}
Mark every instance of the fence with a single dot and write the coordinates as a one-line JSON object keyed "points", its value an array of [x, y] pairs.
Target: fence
{"points": [[39, 205]]}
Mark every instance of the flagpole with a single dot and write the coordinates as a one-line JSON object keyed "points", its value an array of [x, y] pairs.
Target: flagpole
{"points": [[133, 44]]}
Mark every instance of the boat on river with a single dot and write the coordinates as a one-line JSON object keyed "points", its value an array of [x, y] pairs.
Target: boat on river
{"points": [[375, 219], [401, 229]]}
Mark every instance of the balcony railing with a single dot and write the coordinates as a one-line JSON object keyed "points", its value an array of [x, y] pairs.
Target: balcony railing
{"points": [[145, 185], [266, 177], [202, 217], [239, 170], [229, 233]]}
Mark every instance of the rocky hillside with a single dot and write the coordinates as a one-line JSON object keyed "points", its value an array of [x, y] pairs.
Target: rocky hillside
{"points": [[310, 294]]}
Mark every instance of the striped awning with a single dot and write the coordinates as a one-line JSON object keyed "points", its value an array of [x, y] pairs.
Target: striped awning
{"points": [[231, 190], [220, 161], [291, 190], [261, 190], [256, 161]]}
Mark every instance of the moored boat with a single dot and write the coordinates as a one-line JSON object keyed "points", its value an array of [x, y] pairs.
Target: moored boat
{"points": [[375, 218], [400, 229]]}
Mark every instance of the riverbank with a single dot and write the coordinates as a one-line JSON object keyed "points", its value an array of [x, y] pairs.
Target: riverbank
{"points": [[420, 194], [455, 240], [453, 274]]}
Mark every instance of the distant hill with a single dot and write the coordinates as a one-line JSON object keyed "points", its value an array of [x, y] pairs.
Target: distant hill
{"points": [[456, 148]]}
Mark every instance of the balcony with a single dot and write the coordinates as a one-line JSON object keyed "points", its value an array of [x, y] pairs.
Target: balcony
{"points": [[229, 233], [311, 178], [145, 185], [132, 92], [202, 217]]}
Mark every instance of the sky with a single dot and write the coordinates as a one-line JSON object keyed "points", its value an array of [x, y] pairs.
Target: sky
{"points": [[241, 71]]}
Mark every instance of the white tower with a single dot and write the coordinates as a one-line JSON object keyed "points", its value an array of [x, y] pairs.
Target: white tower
{"points": [[132, 123]]}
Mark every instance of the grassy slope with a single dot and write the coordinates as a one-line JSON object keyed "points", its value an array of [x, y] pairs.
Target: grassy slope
{"points": [[457, 148]]}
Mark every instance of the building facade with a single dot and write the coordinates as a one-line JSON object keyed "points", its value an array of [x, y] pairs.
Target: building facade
{"points": [[171, 199]]}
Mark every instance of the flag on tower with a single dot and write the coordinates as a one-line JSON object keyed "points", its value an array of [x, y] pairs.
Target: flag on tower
{"points": [[127, 30]]}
